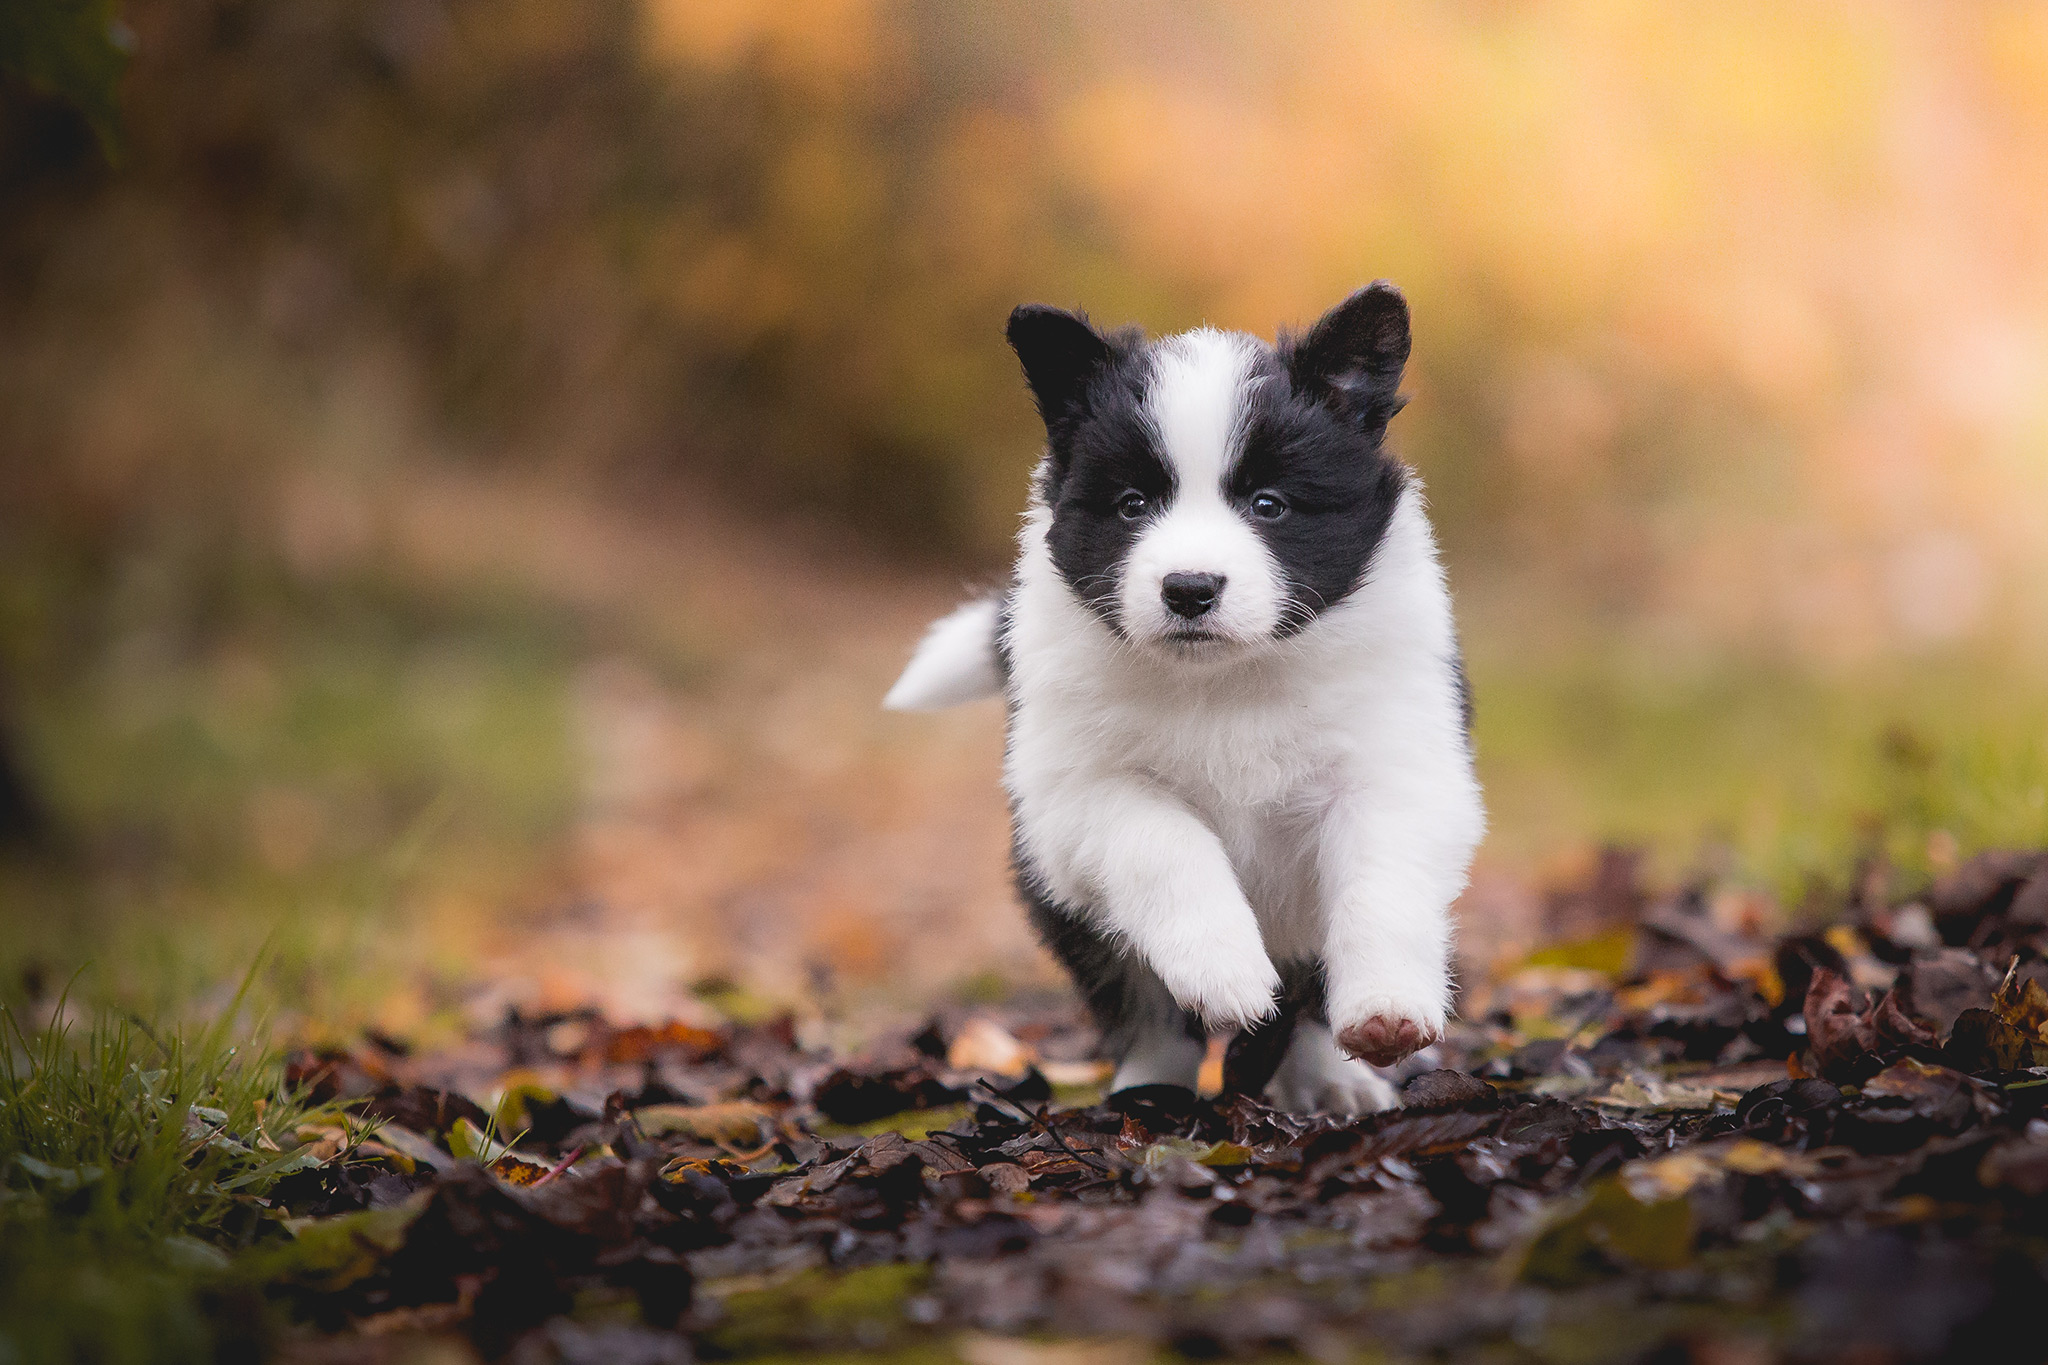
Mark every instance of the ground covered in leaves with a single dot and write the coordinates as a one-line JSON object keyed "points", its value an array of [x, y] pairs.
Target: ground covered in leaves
{"points": [[1678, 1137]]}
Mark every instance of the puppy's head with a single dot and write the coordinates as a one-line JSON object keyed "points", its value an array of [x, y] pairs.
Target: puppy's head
{"points": [[1210, 493]]}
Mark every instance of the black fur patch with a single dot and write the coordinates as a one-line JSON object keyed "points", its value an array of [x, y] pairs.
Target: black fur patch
{"points": [[1090, 390], [1255, 1054], [1107, 457], [1341, 489], [1315, 438], [1353, 357]]}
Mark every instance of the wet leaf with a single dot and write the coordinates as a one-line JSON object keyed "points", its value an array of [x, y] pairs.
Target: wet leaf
{"points": [[1851, 1037], [1605, 1229], [852, 1097], [1437, 1091], [329, 1254], [1982, 1042]]}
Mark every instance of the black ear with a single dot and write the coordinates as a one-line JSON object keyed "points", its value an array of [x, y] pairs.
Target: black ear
{"points": [[1353, 358], [1061, 354]]}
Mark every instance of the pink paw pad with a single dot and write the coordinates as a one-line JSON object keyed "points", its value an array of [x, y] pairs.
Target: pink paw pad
{"points": [[1383, 1040]]}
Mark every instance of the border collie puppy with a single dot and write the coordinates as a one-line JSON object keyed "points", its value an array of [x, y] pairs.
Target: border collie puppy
{"points": [[1239, 758]]}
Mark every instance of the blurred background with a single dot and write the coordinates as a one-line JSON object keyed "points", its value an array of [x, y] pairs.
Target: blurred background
{"points": [[470, 469]]}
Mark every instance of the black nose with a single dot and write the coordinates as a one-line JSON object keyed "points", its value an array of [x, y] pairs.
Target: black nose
{"points": [[1191, 594]]}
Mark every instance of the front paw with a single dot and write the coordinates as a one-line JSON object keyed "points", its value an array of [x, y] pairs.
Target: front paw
{"points": [[1384, 1039], [1227, 990], [1384, 1027]]}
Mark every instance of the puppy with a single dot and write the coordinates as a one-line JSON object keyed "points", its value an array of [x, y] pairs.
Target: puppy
{"points": [[1239, 758]]}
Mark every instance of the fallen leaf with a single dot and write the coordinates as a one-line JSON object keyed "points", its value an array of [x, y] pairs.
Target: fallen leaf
{"points": [[1442, 1090], [1077, 1074], [1849, 1038], [735, 1123], [1006, 1177], [639, 1043], [413, 1146], [984, 1045], [1606, 1228], [516, 1170]]}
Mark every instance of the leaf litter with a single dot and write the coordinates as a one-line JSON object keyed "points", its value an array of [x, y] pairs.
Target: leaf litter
{"points": [[1682, 1136]]}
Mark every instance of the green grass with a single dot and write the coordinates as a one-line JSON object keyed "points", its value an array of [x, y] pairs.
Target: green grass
{"points": [[235, 755], [1777, 775], [132, 1165]]}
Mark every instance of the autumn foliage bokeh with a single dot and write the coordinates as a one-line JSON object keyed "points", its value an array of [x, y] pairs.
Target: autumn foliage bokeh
{"points": [[1731, 322], [1730, 392]]}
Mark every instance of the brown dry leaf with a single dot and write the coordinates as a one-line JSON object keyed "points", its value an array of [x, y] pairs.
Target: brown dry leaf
{"points": [[1044, 1164], [1006, 1177], [431, 1317], [978, 1349], [1650, 1092], [640, 1042], [1840, 1037], [324, 1141], [1664, 987], [1849, 1039], [1669, 1177], [2022, 1004], [736, 1123], [1077, 1073], [683, 1167], [984, 1045], [516, 1170], [1865, 970], [1910, 1080], [1747, 1156], [1981, 1041], [1761, 974]]}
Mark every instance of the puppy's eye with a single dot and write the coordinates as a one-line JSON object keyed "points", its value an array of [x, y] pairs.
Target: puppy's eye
{"points": [[1268, 505], [1132, 505]]}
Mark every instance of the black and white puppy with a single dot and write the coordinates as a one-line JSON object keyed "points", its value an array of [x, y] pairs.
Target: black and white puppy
{"points": [[1239, 761]]}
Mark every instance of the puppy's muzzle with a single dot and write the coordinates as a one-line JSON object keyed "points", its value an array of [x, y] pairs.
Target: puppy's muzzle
{"points": [[1191, 595]]}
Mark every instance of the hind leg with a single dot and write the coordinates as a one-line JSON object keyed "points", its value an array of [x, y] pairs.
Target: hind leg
{"points": [[1314, 1075], [1152, 1040], [1155, 1042]]}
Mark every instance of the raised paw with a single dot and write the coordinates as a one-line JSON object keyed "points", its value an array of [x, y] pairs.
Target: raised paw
{"points": [[1384, 1039], [1228, 991]]}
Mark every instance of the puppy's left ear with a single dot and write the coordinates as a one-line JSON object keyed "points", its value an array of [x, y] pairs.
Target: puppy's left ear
{"points": [[1353, 358]]}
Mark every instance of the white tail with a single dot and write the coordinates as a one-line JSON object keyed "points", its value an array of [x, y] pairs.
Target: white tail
{"points": [[954, 663]]}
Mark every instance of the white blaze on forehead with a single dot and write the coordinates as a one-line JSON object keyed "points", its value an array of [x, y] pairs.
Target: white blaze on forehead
{"points": [[1196, 401]]}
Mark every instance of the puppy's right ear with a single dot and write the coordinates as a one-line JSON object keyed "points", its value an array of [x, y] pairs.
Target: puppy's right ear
{"points": [[1062, 355]]}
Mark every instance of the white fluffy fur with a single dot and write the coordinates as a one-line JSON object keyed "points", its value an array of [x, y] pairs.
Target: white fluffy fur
{"points": [[1228, 805], [954, 663], [1310, 797]]}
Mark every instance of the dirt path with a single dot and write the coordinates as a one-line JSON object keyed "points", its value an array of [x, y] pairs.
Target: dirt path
{"points": [[747, 810]]}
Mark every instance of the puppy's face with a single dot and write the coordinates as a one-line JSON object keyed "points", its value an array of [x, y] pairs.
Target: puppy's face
{"points": [[1210, 493]]}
